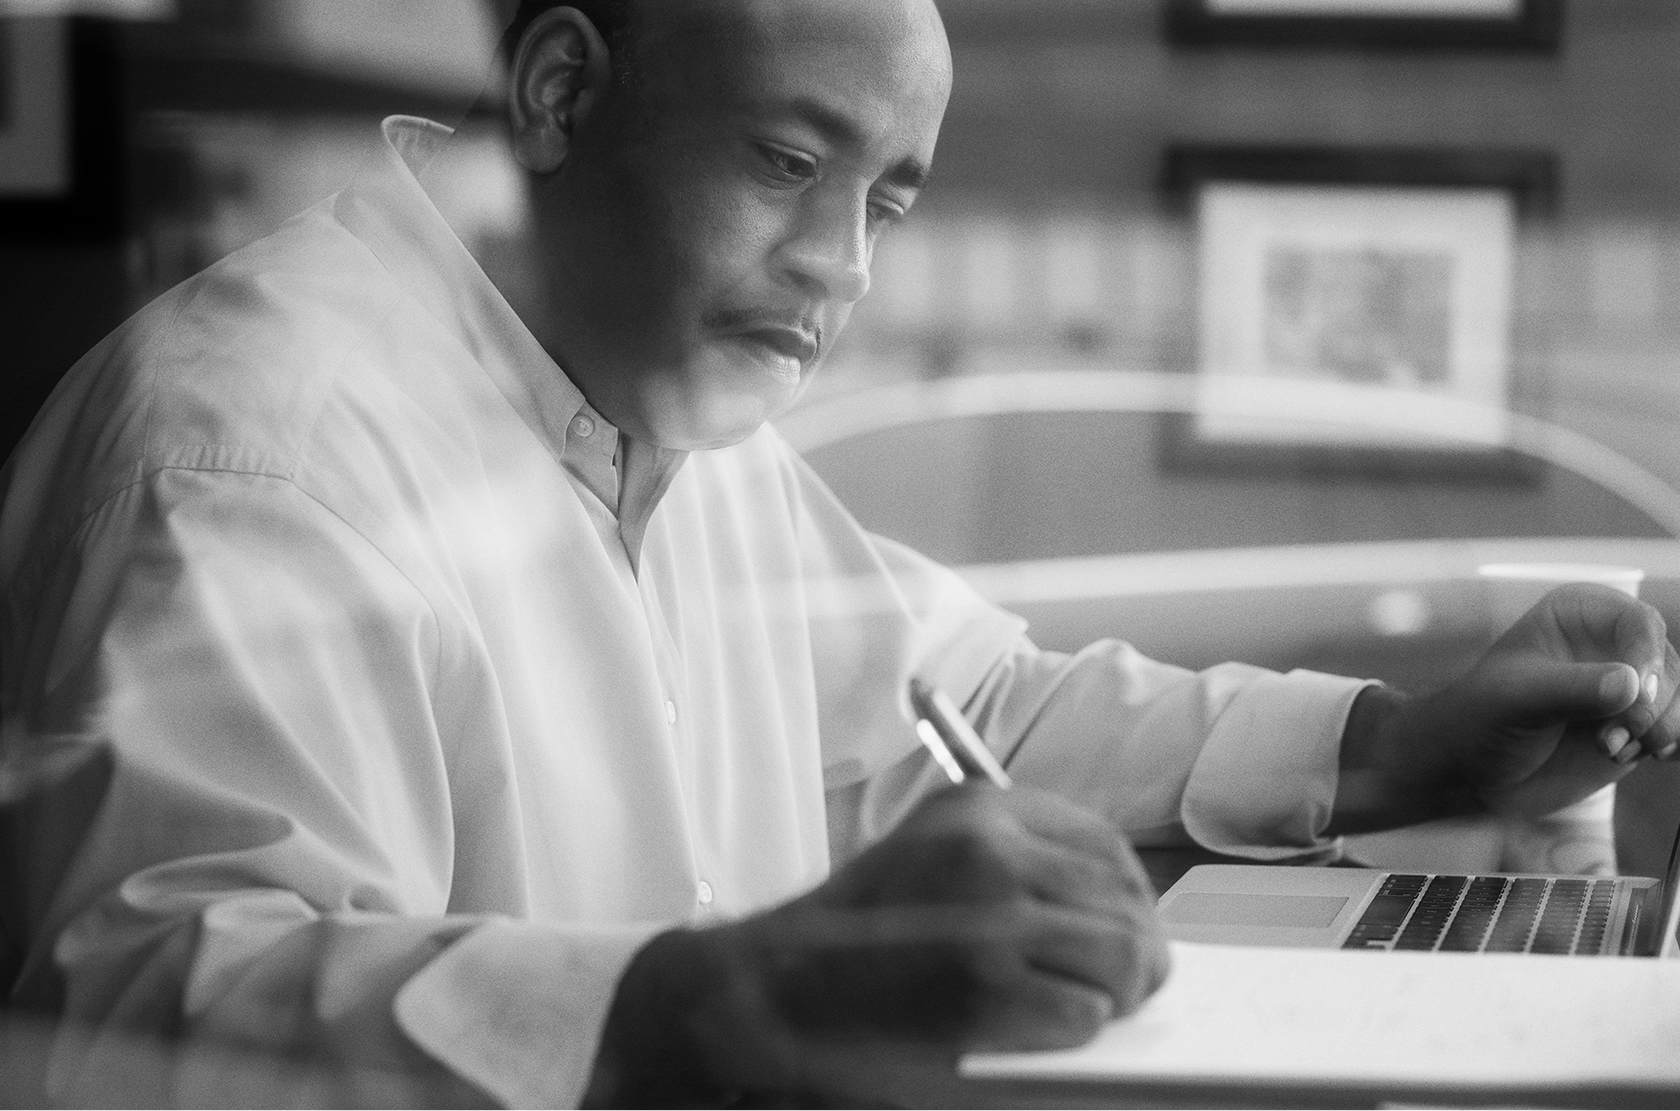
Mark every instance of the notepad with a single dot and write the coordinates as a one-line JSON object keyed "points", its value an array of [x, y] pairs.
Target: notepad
{"points": [[1336, 1018]]}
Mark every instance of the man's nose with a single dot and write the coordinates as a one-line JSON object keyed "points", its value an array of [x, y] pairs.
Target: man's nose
{"points": [[828, 250]]}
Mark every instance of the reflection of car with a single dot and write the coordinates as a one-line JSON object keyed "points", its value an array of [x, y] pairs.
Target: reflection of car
{"points": [[1045, 489]]}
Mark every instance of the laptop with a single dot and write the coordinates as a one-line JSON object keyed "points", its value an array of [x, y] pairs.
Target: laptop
{"points": [[1362, 908]]}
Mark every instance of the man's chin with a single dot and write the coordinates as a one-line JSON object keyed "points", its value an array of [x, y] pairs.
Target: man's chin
{"points": [[704, 419], [689, 431]]}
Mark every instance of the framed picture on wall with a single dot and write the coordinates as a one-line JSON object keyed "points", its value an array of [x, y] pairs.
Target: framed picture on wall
{"points": [[1356, 309], [60, 113], [1470, 24]]}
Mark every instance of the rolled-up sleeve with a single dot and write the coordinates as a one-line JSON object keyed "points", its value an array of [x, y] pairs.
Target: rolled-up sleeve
{"points": [[1237, 759]]}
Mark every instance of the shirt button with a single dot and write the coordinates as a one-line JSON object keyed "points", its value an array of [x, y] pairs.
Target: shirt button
{"points": [[583, 426], [704, 893], [670, 712]]}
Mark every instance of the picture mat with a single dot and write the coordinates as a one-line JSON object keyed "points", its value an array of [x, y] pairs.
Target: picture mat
{"points": [[1464, 235], [1435, 9]]}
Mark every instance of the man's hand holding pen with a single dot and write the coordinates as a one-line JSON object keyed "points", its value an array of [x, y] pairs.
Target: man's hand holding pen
{"points": [[988, 919]]}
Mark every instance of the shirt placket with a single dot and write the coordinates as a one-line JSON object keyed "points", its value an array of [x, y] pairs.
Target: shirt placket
{"points": [[680, 721], [593, 456]]}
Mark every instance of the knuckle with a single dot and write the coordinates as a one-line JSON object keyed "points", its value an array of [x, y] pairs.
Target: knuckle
{"points": [[987, 962], [987, 853], [1136, 880], [1064, 1016], [1160, 965], [978, 987], [1139, 968], [1132, 893], [1133, 994], [1079, 1014], [1671, 714], [1071, 876], [973, 848]]}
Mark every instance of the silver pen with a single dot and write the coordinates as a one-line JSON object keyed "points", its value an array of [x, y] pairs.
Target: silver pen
{"points": [[956, 747]]}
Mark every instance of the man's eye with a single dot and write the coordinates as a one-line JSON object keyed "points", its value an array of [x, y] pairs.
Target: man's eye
{"points": [[886, 213], [788, 165]]}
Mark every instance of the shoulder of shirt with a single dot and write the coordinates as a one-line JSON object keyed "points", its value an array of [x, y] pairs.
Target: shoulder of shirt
{"points": [[230, 371], [226, 371]]}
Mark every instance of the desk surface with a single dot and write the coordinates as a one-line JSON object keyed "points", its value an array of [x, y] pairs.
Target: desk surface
{"points": [[1165, 867]]}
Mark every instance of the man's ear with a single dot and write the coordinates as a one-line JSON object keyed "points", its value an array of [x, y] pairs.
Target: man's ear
{"points": [[560, 68]]}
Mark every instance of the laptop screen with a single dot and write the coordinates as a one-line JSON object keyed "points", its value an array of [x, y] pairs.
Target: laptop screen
{"points": [[1669, 941]]}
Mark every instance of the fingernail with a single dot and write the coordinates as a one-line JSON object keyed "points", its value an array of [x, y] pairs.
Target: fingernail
{"points": [[1629, 753], [1650, 687], [1612, 688], [1614, 740], [1665, 751]]}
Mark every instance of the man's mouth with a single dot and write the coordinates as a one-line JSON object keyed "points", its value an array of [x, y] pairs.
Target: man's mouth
{"points": [[788, 342]]}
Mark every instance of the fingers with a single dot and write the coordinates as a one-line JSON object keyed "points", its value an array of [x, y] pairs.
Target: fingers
{"points": [[1640, 639], [1621, 688], [1026, 973], [1592, 652], [987, 917], [1125, 956], [1060, 821], [1059, 877], [978, 844], [1030, 976], [1649, 723], [1072, 857], [1652, 724], [1529, 689], [1089, 922], [1079, 972], [1043, 1012]]}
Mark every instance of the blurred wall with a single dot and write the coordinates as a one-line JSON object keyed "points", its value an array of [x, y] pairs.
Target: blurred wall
{"points": [[1045, 242]]}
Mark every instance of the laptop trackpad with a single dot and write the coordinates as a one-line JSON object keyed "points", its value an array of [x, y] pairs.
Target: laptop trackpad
{"points": [[1207, 908]]}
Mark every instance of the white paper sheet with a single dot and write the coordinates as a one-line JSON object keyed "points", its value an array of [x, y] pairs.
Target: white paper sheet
{"points": [[1307, 1017]]}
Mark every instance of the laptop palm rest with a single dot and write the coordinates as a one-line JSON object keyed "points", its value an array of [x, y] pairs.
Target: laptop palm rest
{"points": [[1212, 908], [1265, 905]]}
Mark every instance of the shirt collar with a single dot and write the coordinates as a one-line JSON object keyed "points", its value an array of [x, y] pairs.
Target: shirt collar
{"points": [[390, 212]]}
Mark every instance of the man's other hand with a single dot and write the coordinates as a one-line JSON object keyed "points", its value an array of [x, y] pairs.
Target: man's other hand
{"points": [[987, 920], [1564, 703]]}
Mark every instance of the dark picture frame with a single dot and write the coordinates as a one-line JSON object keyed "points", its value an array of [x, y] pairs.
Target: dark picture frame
{"points": [[1358, 310], [62, 166], [1522, 25]]}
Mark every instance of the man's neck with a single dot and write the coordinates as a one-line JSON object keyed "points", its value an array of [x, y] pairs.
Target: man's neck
{"points": [[481, 191]]}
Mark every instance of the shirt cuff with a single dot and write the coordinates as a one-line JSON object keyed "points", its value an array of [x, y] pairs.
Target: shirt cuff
{"points": [[1264, 785], [517, 1007]]}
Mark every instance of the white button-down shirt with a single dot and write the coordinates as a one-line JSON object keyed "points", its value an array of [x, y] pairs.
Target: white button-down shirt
{"points": [[429, 697]]}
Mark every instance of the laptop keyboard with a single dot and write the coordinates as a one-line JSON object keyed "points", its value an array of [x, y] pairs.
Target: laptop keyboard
{"points": [[1494, 914]]}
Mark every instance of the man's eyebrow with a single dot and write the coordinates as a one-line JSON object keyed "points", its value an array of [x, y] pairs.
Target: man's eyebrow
{"points": [[911, 173], [908, 173]]}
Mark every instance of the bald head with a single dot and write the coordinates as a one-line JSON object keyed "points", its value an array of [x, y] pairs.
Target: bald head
{"points": [[874, 25], [706, 228], [690, 24]]}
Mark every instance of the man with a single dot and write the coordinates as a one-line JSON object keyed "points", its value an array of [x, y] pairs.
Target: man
{"points": [[491, 698]]}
